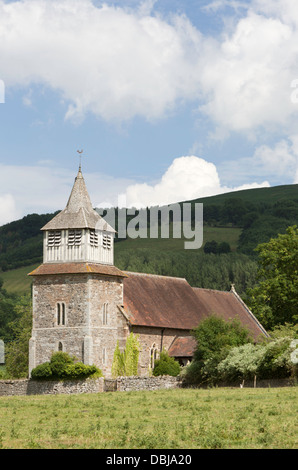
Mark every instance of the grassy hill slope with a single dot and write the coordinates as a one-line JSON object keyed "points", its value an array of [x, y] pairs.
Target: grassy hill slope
{"points": [[257, 195]]}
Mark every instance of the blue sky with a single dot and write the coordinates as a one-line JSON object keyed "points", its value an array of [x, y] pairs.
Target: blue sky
{"points": [[170, 100]]}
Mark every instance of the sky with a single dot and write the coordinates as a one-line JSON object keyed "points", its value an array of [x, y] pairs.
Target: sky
{"points": [[170, 100]]}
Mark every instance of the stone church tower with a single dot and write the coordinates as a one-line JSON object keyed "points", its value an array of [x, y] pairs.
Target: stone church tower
{"points": [[77, 290]]}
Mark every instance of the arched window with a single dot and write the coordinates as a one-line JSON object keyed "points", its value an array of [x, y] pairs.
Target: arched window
{"points": [[60, 346], [105, 313], [153, 355], [61, 317]]}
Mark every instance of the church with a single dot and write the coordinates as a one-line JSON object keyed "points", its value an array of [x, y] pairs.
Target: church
{"points": [[83, 304]]}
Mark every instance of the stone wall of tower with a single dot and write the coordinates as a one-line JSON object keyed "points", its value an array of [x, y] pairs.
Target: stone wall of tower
{"points": [[85, 332], [107, 325]]}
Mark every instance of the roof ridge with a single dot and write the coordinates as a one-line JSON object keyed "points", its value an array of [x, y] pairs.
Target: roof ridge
{"points": [[154, 275], [213, 290]]}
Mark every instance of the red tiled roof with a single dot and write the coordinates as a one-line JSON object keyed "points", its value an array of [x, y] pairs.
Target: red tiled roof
{"points": [[169, 302], [160, 301], [183, 346], [76, 268], [229, 306]]}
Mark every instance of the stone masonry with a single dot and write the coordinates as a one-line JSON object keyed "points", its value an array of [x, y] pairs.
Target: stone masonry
{"points": [[85, 334]]}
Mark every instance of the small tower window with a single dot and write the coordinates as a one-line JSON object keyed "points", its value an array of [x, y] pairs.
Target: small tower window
{"points": [[60, 346], [105, 313], [54, 238], [107, 241], [61, 313], [74, 237], [93, 238]]}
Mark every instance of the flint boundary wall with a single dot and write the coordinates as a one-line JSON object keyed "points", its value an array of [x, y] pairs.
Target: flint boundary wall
{"points": [[121, 384], [136, 383], [50, 387]]}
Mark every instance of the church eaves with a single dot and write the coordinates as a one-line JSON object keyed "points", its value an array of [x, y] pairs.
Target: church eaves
{"points": [[78, 212]]}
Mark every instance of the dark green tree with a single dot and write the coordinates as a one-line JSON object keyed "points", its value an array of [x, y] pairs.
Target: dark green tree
{"points": [[211, 247], [275, 299], [215, 337], [17, 350]]}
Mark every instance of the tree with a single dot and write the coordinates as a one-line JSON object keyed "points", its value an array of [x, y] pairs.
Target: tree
{"points": [[241, 363], [233, 211], [215, 337], [211, 247], [269, 360], [275, 299], [17, 351], [224, 247], [7, 314]]}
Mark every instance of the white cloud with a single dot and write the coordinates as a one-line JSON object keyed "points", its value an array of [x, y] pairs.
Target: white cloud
{"points": [[114, 62], [187, 178], [248, 79], [219, 4], [282, 159], [8, 209], [119, 62], [275, 162]]}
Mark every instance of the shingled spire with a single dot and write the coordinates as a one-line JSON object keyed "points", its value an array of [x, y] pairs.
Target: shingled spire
{"points": [[78, 212]]}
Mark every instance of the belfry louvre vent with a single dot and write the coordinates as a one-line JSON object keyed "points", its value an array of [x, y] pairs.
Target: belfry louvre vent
{"points": [[74, 237], [107, 241], [93, 238], [54, 238]]}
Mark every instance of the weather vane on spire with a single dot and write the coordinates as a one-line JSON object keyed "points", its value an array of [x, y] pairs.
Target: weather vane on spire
{"points": [[80, 153]]}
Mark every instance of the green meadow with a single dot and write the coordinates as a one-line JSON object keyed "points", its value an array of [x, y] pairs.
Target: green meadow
{"points": [[216, 418]]}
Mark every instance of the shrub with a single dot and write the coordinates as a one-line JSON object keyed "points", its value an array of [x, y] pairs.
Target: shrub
{"points": [[166, 365], [58, 363], [80, 371], [63, 366], [125, 363], [43, 371]]}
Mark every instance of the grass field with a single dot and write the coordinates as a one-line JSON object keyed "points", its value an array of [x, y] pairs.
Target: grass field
{"points": [[218, 418], [17, 280]]}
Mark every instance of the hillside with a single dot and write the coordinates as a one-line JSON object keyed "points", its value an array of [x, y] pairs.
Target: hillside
{"points": [[239, 220], [269, 196]]}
